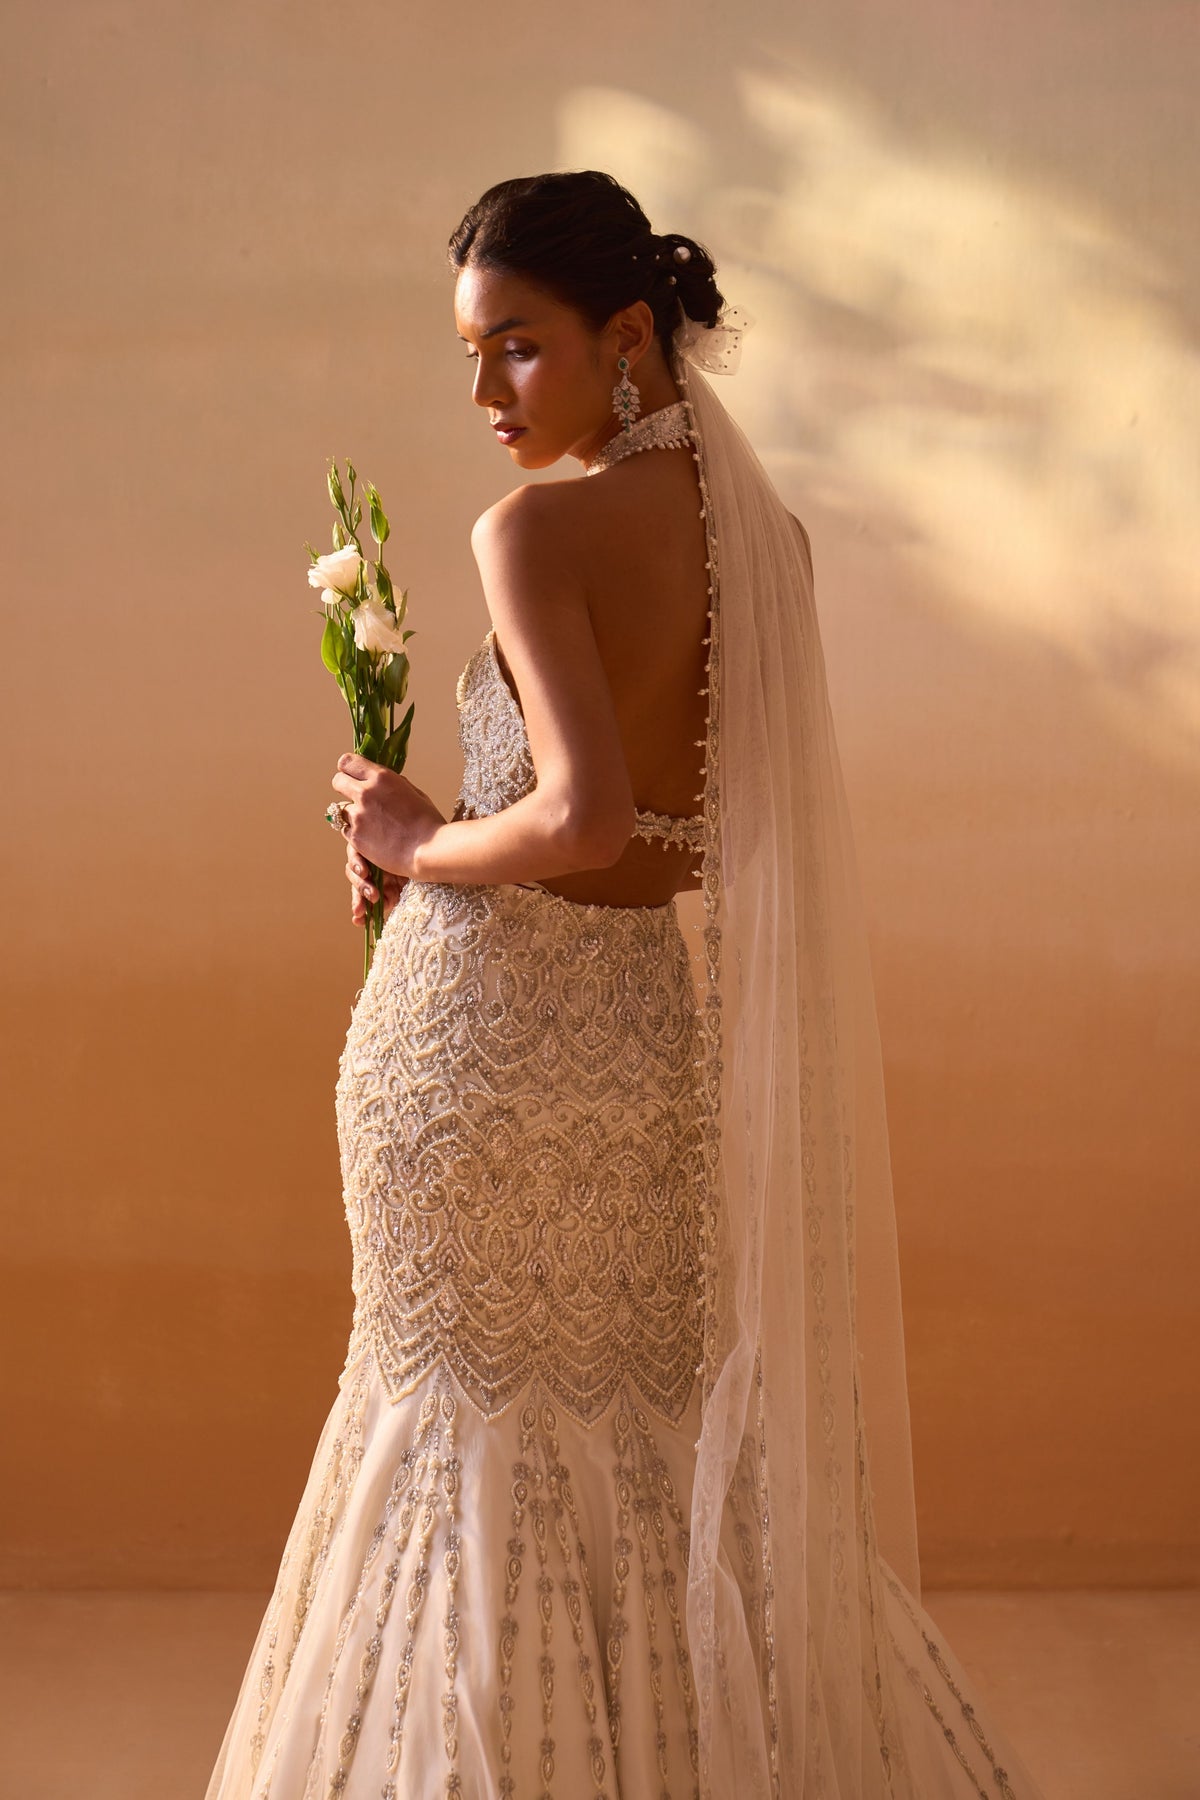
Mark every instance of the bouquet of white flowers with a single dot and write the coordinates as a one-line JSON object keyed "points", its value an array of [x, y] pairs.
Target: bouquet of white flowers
{"points": [[363, 647]]}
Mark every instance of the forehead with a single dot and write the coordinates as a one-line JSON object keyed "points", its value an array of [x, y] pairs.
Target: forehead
{"points": [[484, 297]]}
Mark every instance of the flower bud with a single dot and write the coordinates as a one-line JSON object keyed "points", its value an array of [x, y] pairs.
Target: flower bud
{"points": [[395, 678], [379, 524]]}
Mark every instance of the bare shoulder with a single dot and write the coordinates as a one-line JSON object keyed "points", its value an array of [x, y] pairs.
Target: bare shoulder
{"points": [[527, 553], [536, 516], [530, 550]]}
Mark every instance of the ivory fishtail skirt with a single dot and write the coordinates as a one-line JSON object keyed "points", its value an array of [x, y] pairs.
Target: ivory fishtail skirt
{"points": [[483, 1590]]}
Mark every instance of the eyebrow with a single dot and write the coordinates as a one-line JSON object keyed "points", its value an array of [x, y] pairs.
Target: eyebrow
{"points": [[504, 325]]}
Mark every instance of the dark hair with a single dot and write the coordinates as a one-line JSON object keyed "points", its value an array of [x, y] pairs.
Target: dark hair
{"points": [[583, 237]]}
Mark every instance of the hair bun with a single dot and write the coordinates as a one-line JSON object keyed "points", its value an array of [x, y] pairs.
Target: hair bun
{"points": [[585, 239], [693, 275]]}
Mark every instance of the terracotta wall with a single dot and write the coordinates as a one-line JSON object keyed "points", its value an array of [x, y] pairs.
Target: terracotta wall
{"points": [[966, 235]]}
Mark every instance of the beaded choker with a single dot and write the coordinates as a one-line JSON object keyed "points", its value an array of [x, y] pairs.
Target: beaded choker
{"points": [[665, 429]]}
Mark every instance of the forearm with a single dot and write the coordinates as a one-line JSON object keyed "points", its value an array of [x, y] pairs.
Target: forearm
{"points": [[527, 841]]}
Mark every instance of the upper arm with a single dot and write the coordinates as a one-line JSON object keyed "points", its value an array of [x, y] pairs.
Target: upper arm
{"points": [[528, 565]]}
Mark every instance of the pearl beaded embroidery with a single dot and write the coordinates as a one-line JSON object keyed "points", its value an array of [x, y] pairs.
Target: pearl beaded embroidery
{"points": [[666, 428]]}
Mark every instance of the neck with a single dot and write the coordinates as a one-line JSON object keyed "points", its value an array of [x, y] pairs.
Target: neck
{"points": [[666, 428], [656, 389]]}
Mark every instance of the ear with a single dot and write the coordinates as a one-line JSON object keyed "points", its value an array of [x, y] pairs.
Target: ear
{"points": [[634, 326]]}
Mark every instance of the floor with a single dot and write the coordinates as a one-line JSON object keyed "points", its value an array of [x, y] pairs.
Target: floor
{"points": [[125, 1696]]}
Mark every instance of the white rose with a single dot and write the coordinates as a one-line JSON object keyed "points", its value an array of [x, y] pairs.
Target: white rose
{"points": [[375, 628], [337, 573]]}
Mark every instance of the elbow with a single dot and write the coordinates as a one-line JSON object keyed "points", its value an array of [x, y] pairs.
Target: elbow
{"points": [[595, 839], [613, 846]]}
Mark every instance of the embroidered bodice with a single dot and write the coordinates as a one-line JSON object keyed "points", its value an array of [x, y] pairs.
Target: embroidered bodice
{"points": [[498, 767]]}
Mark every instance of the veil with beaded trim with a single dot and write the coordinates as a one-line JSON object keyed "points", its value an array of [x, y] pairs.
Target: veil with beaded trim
{"points": [[818, 1672]]}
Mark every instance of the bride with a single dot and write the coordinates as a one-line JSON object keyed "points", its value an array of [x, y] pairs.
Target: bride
{"points": [[615, 1497]]}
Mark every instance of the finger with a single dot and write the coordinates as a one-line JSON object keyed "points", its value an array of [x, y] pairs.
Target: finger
{"points": [[351, 763], [362, 887]]}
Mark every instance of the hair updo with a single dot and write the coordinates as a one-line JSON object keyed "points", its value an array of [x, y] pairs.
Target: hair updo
{"points": [[583, 237]]}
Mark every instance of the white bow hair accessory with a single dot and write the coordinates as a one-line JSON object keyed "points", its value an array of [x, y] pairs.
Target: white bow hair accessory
{"points": [[717, 349]]}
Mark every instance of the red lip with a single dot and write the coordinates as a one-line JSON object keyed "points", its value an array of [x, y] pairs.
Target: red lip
{"points": [[509, 434]]}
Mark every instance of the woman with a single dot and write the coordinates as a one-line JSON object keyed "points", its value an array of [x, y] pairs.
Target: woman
{"points": [[616, 1495]]}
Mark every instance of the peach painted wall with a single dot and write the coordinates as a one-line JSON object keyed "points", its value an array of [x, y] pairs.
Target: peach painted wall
{"points": [[966, 235]]}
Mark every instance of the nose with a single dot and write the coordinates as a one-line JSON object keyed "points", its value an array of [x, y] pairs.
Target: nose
{"points": [[489, 387]]}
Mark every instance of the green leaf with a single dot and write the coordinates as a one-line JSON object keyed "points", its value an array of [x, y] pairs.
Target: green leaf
{"points": [[376, 723], [395, 750], [383, 582], [375, 729], [330, 643], [337, 641], [407, 634], [357, 514]]}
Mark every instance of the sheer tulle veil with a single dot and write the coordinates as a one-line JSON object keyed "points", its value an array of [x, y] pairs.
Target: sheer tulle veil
{"points": [[803, 1503]]}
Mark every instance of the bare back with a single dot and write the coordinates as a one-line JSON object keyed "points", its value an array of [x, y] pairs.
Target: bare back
{"points": [[642, 554]]}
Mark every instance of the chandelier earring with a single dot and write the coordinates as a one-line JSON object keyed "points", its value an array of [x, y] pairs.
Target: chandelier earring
{"points": [[627, 401]]}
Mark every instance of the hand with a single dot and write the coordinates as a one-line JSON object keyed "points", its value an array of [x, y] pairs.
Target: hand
{"points": [[364, 890], [389, 816]]}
